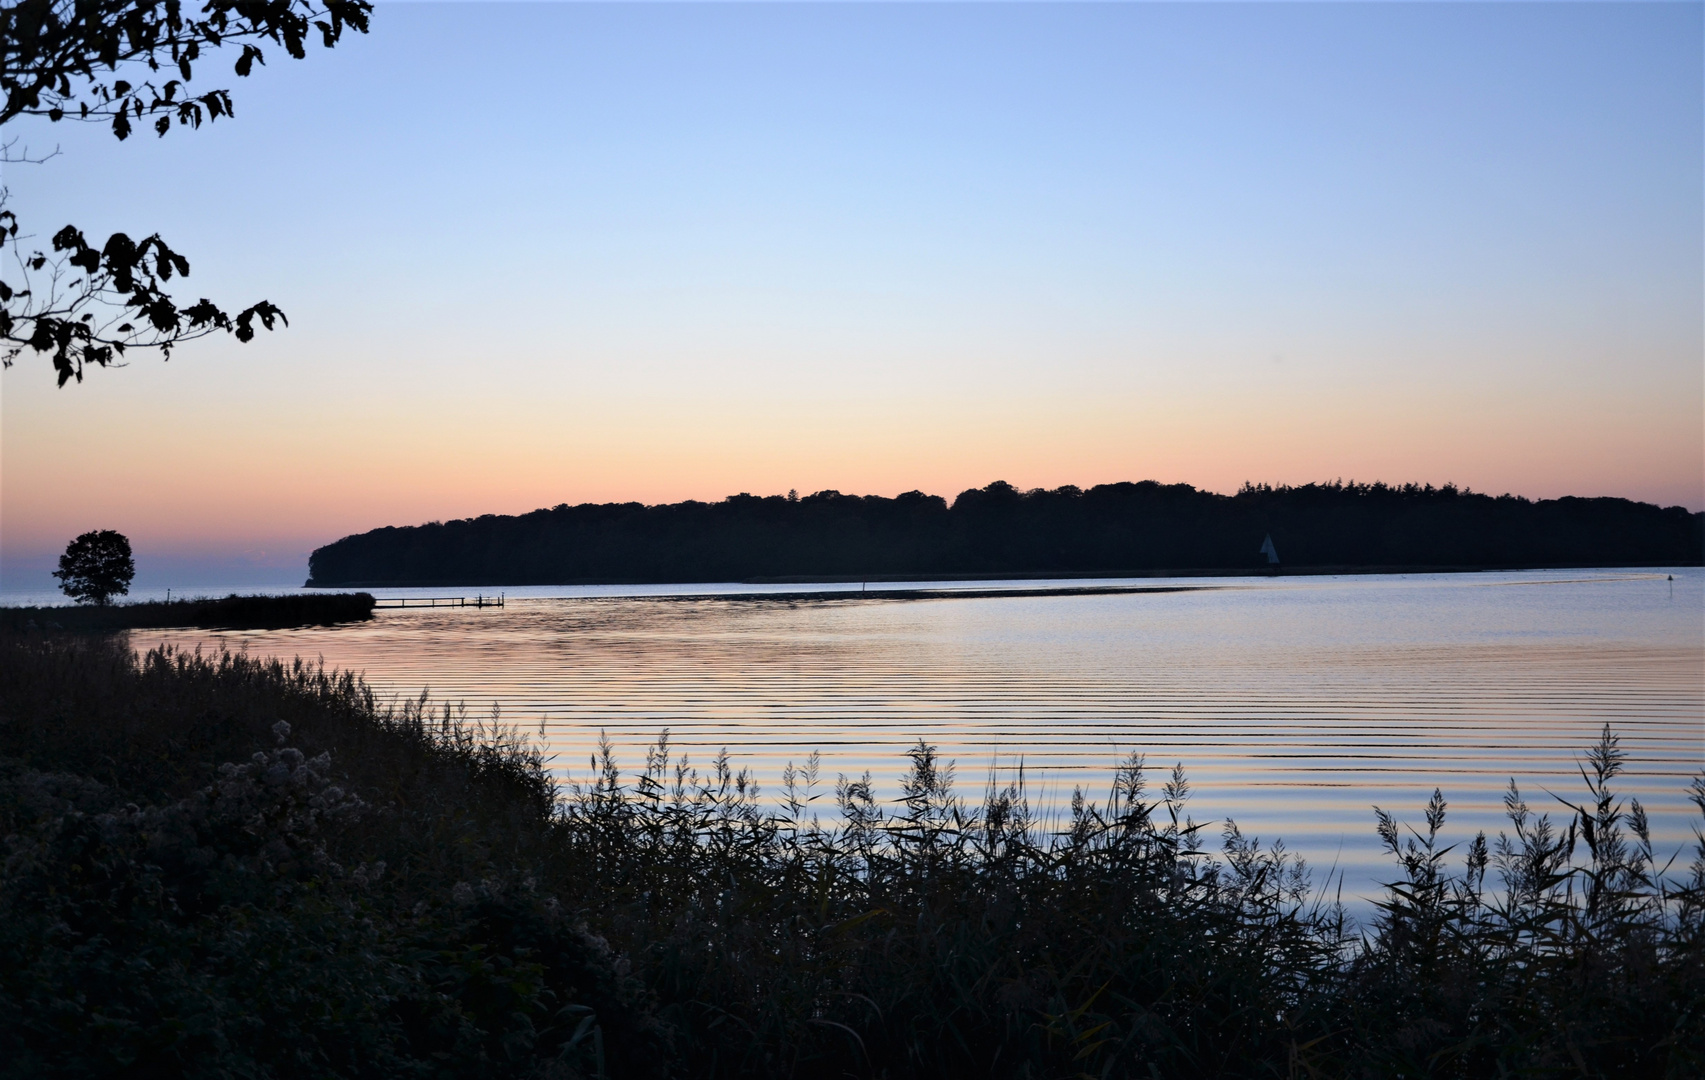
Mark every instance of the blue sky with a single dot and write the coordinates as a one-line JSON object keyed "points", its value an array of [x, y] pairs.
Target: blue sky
{"points": [[536, 253]]}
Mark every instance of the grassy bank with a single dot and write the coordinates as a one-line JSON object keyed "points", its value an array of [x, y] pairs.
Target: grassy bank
{"points": [[225, 613], [222, 866]]}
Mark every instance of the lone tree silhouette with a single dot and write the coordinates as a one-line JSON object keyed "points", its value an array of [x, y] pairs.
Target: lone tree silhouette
{"points": [[96, 567], [87, 303]]}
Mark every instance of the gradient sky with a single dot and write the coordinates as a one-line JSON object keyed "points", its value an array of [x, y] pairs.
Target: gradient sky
{"points": [[546, 253]]}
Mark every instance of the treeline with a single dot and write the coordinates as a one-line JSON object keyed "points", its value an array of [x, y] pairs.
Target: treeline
{"points": [[999, 530], [218, 866]]}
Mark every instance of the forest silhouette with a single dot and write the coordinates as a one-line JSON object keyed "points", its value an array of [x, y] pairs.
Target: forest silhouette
{"points": [[999, 530]]}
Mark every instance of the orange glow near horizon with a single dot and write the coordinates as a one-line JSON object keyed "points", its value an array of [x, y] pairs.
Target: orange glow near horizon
{"points": [[179, 471]]}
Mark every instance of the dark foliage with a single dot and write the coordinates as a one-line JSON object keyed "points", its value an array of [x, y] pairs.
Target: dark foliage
{"points": [[279, 915], [96, 567], [86, 305], [371, 891], [999, 530], [227, 613], [63, 59]]}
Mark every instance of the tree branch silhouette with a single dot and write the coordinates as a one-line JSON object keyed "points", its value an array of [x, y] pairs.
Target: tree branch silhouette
{"points": [[88, 305], [63, 59]]}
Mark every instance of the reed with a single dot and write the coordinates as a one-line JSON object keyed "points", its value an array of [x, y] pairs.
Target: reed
{"points": [[252, 868]]}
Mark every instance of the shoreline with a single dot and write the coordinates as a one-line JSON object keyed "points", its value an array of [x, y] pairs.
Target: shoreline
{"points": [[1052, 575], [930, 594], [234, 612]]}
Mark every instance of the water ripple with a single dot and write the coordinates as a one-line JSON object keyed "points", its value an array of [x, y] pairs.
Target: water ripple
{"points": [[1295, 705]]}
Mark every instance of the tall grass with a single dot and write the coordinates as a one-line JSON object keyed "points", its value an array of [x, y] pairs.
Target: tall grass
{"points": [[265, 871]]}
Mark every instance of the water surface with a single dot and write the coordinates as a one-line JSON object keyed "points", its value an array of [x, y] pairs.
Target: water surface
{"points": [[1295, 704]]}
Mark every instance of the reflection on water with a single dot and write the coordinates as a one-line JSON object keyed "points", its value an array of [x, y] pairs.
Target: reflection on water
{"points": [[1295, 704]]}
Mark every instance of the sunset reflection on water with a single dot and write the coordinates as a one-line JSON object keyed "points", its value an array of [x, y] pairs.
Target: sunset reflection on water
{"points": [[1295, 704]]}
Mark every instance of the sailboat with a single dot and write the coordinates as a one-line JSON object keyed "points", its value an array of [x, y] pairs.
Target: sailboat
{"points": [[1270, 551]]}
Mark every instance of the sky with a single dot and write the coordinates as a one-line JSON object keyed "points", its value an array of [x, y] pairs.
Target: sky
{"points": [[544, 253]]}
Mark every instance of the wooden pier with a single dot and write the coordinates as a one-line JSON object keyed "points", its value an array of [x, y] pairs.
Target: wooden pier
{"points": [[440, 601]]}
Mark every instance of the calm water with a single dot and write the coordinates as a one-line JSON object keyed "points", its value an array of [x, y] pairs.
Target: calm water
{"points": [[1295, 704]]}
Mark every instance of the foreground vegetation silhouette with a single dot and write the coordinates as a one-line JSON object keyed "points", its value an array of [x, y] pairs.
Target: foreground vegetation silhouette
{"points": [[221, 866], [1000, 531]]}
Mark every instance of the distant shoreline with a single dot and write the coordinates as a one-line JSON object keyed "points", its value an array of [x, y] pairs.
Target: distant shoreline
{"points": [[887, 579], [998, 533], [934, 594], [234, 612]]}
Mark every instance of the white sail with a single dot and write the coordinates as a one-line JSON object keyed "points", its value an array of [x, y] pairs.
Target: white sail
{"points": [[1270, 551]]}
